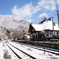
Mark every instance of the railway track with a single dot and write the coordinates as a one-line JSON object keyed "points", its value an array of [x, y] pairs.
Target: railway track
{"points": [[22, 53], [53, 51], [45, 49]]}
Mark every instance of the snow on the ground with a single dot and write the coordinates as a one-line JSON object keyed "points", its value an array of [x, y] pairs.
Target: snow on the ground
{"points": [[5, 52], [34, 52], [1, 51]]}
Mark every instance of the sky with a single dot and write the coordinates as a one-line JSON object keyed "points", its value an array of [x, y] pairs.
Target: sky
{"points": [[31, 10]]}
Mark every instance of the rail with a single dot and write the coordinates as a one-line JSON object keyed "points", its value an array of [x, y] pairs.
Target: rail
{"points": [[21, 51]]}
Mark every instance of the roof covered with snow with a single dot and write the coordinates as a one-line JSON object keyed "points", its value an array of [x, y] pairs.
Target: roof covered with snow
{"points": [[37, 27], [45, 25]]}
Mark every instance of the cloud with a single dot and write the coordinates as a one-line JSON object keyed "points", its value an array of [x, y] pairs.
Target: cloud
{"points": [[28, 10], [30, 20], [48, 4], [25, 11], [43, 15]]}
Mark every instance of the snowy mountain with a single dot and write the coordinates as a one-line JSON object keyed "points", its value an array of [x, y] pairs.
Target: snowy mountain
{"points": [[22, 22], [12, 23]]}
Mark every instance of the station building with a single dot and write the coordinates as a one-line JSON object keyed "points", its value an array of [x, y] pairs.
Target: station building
{"points": [[45, 29]]}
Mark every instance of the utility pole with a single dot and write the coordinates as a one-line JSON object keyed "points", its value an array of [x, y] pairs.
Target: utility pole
{"points": [[57, 13], [52, 25], [58, 18], [58, 23]]}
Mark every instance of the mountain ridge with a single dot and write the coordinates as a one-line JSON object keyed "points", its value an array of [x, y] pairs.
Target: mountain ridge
{"points": [[12, 23]]}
